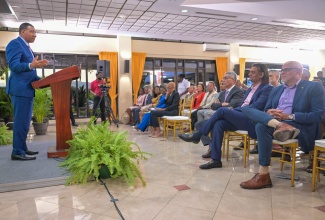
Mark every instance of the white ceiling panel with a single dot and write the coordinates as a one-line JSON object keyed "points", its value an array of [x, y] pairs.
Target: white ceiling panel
{"points": [[205, 21]]}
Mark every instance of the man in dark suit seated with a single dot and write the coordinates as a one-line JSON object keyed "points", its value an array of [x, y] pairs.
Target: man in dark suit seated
{"points": [[172, 105], [231, 97], [296, 105], [225, 119]]}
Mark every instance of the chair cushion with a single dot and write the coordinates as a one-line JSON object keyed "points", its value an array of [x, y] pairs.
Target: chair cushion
{"points": [[320, 143], [177, 118]]}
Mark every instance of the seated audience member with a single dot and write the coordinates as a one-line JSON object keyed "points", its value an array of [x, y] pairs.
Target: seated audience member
{"points": [[274, 77], [156, 96], [171, 109], [241, 85], [226, 119], [188, 97], [198, 97], [140, 101], [154, 102], [146, 118], [231, 97], [305, 74], [206, 103], [294, 109], [146, 102], [320, 76]]}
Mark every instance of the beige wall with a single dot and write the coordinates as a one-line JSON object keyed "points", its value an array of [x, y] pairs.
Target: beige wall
{"points": [[174, 50]]}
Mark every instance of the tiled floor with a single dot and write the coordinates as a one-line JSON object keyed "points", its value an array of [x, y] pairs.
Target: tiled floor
{"points": [[176, 189]]}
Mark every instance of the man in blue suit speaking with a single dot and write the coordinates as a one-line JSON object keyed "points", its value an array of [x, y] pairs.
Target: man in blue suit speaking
{"points": [[22, 63]]}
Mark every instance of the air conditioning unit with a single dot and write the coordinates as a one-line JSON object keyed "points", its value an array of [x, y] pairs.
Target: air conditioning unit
{"points": [[216, 47]]}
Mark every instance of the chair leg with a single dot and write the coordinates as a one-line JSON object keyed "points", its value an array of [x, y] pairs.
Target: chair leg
{"points": [[245, 149], [227, 154], [224, 144], [293, 165], [313, 180], [282, 158]]}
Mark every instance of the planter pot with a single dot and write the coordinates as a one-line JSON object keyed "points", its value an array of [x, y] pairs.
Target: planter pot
{"points": [[9, 121], [104, 172], [40, 128]]}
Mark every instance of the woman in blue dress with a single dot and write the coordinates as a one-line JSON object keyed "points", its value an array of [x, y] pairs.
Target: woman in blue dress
{"points": [[146, 117]]}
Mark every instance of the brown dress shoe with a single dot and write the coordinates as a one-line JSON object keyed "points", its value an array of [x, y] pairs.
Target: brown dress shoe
{"points": [[259, 181], [284, 132], [207, 154]]}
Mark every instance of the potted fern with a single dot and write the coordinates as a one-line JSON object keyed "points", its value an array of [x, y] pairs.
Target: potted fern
{"points": [[41, 108], [95, 148], [5, 135]]}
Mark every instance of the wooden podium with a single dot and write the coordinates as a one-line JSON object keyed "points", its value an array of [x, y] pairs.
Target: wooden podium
{"points": [[60, 83]]}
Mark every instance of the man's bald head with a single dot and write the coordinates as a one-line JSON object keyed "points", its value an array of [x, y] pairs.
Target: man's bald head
{"points": [[171, 85], [291, 72]]}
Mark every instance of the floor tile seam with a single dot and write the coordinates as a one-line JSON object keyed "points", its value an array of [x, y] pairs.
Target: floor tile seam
{"points": [[223, 193], [294, 205], [232, 215]]}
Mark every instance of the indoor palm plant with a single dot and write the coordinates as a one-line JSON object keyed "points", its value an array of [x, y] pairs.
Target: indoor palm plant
{"points": [[41, 108], [96, 147]]}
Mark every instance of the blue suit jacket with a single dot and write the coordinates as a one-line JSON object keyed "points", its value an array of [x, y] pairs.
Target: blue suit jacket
{"points": [[259, 98], [19, 56], [308, 107]]}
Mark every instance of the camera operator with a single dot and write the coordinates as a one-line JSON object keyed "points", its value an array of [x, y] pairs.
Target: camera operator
{"points": [[95, 88]]}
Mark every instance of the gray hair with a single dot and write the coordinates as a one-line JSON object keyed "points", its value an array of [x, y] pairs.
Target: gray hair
{"points": [[232, 75], [275, 71], [305, 72]]}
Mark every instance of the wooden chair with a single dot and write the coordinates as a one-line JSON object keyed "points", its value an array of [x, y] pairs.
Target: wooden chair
{"points": [[318, 149], [177, 122], [236, 135], [289, 148]]}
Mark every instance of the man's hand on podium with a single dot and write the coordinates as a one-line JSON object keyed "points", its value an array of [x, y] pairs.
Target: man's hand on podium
{"points": [[38, 63]]}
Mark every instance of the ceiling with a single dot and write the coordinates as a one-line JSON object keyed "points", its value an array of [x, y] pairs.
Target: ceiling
{"points": [[280, 23]]}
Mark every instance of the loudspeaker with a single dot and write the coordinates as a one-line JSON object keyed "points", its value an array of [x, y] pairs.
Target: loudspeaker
{"points": [[103, 66], [126, 66]]}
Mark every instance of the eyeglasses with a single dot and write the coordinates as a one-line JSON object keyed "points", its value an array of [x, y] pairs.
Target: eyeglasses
{"points": [[288, 69]]}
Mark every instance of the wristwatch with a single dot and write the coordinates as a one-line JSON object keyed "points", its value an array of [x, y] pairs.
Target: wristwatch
{"points": [[291, 117]]}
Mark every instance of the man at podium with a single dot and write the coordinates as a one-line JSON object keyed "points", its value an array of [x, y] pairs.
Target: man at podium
{"points": [[22, 63]]}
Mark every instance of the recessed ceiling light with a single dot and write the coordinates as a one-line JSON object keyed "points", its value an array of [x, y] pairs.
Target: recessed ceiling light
{"points": [[253, 19], [184, 10]]}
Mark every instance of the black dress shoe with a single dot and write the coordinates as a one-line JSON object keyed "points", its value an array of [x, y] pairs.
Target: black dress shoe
{"points": [[21, 157], [207, 154], [254, 150], [240, 146], [29, 152], [74, 124], [211, 164], [188, 138]]}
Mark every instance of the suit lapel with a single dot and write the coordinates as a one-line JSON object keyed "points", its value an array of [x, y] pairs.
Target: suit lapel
{"points": [[277, 96], [299, 91], [24, 46]]}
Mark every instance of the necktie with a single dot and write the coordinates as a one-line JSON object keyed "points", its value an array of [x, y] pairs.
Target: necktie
{"points": [[226, 95], [30, 49]]}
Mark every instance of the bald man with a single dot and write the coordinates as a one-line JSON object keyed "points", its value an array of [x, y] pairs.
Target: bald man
{"points": [[294, 109], [172, 104]]}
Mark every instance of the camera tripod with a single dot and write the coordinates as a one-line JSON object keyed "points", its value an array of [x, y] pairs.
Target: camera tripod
{"points": [[108, 109]]}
